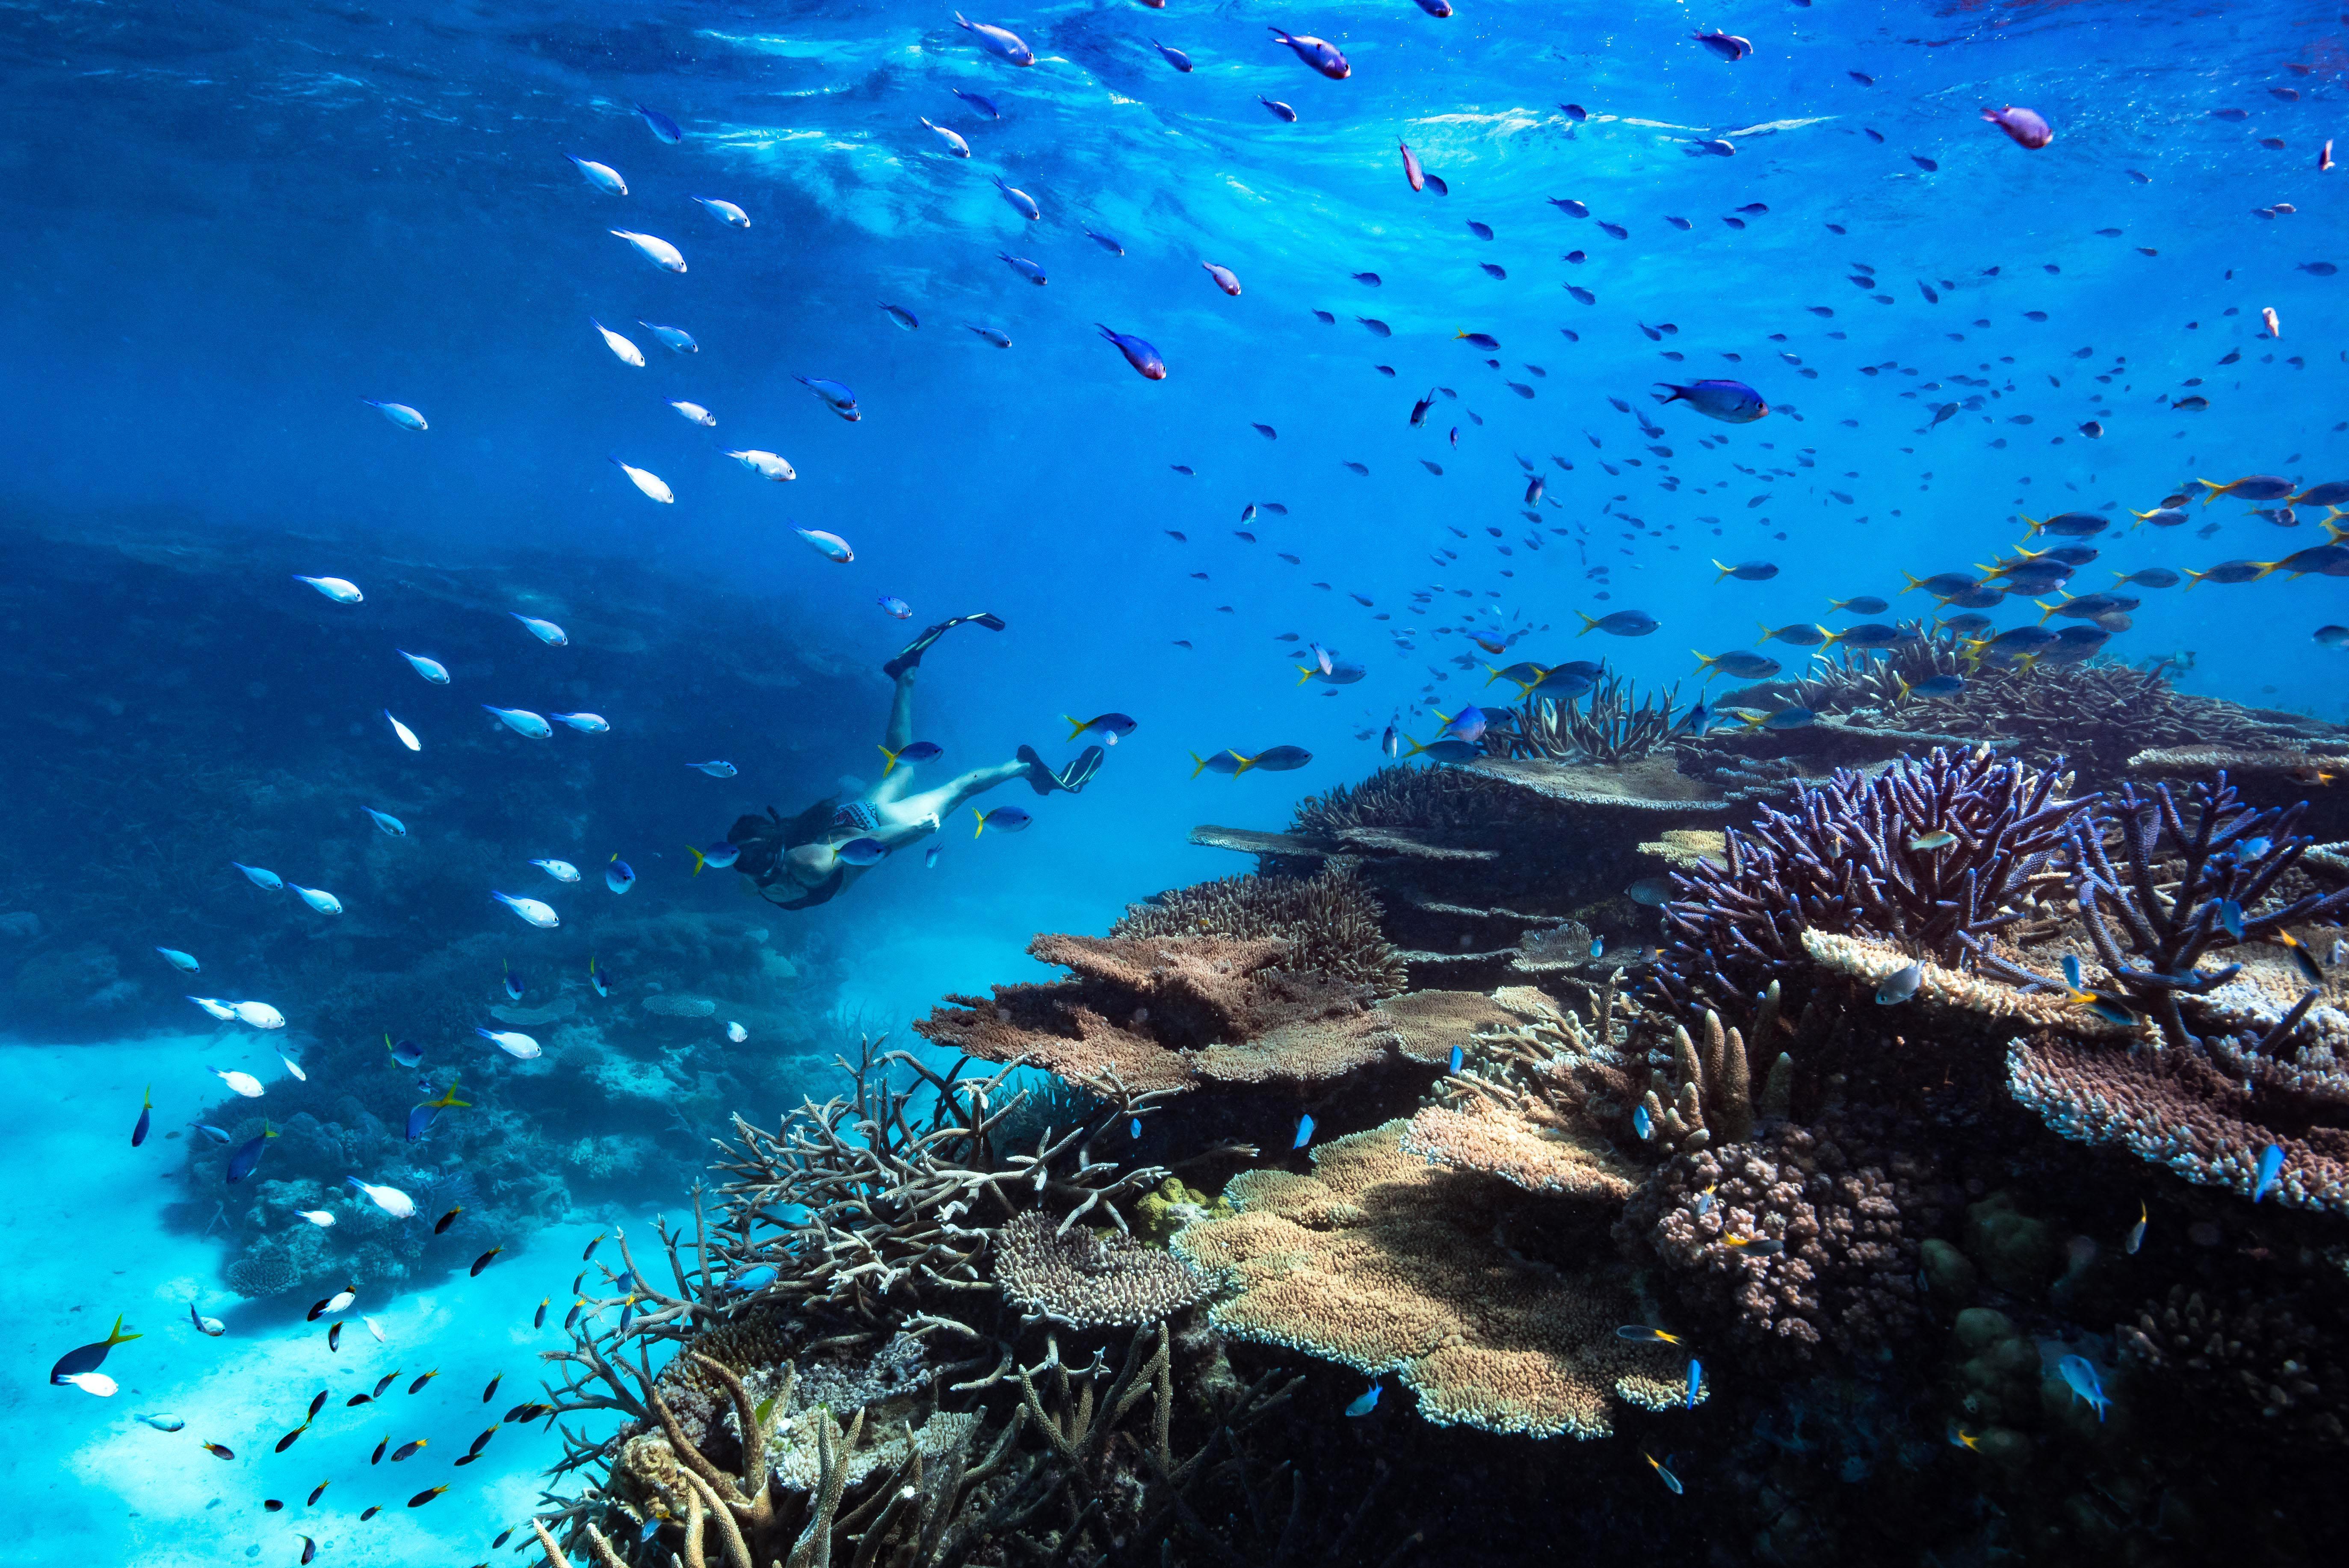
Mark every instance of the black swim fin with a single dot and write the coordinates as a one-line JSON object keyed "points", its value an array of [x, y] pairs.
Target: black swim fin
{"points": [[911, 656], [1071, 779]]}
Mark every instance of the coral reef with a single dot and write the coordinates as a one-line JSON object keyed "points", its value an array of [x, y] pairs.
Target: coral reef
{"points": [[1387, 1263], [1328, 923], [1089, 1279], [1163, 1013], [2260, 1360], [1798, 1239], [2171, 904], [1614, 722], [1931, 854]]}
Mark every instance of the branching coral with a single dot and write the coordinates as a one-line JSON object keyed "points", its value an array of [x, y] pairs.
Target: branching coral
{"points": [[853, 1224], [1614, 723], [2261, 1361], [1330, 923], [1787, 1244], [1930, 854], [2183, 886], [1387, 1263]]}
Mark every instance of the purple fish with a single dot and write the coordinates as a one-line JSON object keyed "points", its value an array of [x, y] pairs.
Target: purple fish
{"points": [[1138, 354], [1321, 56], [2028, 127], [1000, 42]]}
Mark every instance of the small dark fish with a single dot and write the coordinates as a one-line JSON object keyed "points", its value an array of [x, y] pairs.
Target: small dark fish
{"points": [[309, 1549], [1267, 431], [1281, 111], [418, 1385], [145, 1117], [335, 1337], [219, 1451], [287, 1440], [663, 127], [369, 1511], [1755, 1246], [408, 1448], [316, 1493], [421, 1498], [317, 1403], [986, 105]]}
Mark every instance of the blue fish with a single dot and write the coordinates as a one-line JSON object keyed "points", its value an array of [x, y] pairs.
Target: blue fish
{"points": [[145, 1117], [1133, 1128], [1458, 1056], [985, 103], [663, 127], [2071, 973], [1367, 1401], [1003, 818], [1642, 1124], [863, 851], [1663, 1474], [930, 857], [513, 982], [2230, 918], [2271, 1166], [617, 876], [420, 1121], [1695, 1382], [718, 857], [596, 977], [214, 1133], [241, 1163], [2080, 1374], [1599, 947], [753, 1279], [1304, 1129], [2252, 849], [912, 751]]}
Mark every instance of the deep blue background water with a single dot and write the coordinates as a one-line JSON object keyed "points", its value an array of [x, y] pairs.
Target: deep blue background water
{"points": [[228, 224]]}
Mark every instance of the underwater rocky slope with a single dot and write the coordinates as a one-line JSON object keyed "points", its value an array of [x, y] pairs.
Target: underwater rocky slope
{"points": [[1941, 1153], [186, 710]]}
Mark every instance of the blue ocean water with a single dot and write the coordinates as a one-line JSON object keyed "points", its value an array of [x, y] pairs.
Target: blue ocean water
{"points": [[234, 224]]}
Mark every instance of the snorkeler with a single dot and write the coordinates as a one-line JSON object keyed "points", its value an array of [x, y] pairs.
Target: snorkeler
{"points": [[795, 862]]}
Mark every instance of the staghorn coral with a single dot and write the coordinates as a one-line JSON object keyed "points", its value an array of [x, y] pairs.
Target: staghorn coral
{"points": [[1844, 858], [2171, 900], [2257, 1363], [1385, 1263], [859, 1216], [1165, 1013], [1609, 726], [1845, 1277], [1089, 1279], [1329, 922]]}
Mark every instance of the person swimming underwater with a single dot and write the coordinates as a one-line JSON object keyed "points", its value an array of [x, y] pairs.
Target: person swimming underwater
{"points": [[794, 862]]}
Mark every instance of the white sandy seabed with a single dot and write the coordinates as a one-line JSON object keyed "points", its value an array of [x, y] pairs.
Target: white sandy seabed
{"points": [[81, 1238]]}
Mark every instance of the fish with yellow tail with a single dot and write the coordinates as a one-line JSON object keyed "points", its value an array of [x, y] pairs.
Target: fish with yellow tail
{"points": [[918, 751]]}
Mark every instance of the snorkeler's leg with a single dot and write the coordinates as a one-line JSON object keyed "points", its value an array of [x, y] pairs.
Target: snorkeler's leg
{"points": [[931, 807], [894, 738], [911, 654]]}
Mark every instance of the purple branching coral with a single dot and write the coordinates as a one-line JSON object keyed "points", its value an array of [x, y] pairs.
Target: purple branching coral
{"points": [[2229, 855], [1932, 855]]}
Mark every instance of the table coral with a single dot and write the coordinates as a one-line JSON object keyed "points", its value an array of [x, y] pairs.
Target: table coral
{"points": [[1387, 1263]]}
